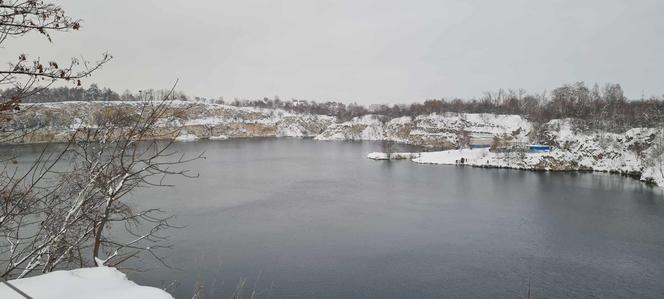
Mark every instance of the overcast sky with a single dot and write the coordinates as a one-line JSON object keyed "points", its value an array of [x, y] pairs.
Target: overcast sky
{"points": [[366, 51]]}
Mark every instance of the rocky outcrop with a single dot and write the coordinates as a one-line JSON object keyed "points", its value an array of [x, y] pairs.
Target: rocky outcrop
{"points": [[54, 122], [637, 153], [434, 131]]}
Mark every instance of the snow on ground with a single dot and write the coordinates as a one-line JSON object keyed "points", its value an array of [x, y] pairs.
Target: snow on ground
{"points": [[392, 156], [186, 138], [73, 115], [428, 129], [90, 283], [219, 137], [654, 174], [452, 157], [106, 103], [631, 153], [378, 156], [367, 127], [207, 121], [556, 160], [476, 122], [76, 124], [291, 130], [404, 120]]}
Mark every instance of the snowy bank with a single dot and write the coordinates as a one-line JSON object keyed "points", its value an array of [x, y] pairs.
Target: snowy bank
{"points": [[392, 156], [91, 283], [452, 157], [186, 138], [556, 160], [637, 152], [219, 137]]}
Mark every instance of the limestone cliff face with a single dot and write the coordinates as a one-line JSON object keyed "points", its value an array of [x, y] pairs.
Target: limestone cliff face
{"points": [[632, 153], [54, 122], [638, 152], [434, 131]]}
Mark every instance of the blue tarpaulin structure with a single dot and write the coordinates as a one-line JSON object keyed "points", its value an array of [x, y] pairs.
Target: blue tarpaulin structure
{"points": [[539, 148]]}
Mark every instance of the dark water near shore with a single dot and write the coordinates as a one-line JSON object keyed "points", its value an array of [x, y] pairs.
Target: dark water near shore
{"points": [[310, 219]]}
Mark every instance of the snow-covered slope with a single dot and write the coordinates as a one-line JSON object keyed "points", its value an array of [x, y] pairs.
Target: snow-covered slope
{"points": [[89, 283], [632, 153], [367, 127]]}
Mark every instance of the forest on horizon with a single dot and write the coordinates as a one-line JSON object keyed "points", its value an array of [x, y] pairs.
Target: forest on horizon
{"points": [[603, 108]]}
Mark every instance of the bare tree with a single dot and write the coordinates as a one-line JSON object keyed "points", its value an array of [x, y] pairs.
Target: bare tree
{"points": [[27, 193], [26, 75], [120, 160], [57, 212], [63, 219]]}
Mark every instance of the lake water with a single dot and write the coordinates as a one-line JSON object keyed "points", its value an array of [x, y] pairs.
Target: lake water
{"points": [[312, 219]]}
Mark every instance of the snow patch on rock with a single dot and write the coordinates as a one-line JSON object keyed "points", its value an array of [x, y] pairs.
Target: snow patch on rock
{"points": [[392, 156], [219, 137], [432, 130], [186, 138]]}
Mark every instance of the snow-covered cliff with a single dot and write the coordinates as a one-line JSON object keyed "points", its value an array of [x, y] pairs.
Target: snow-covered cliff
{"points": [[637, 153], [55, 121], [442, 131]]}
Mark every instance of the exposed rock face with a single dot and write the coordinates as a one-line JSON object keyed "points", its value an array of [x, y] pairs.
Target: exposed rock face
{"points": [[54, 122], [637, 153], [435, 131]]}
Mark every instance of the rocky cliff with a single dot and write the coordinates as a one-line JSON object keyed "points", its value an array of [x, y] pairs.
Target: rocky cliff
{"points": [[54, 122], [434, 131]]}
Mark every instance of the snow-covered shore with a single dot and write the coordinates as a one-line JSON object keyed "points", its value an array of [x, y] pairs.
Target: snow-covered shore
{"points": [[392, 156], [90, 283], [555, 160], [636, 153]]}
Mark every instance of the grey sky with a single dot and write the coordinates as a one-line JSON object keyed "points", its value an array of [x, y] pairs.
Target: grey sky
{"points": [[364, 51]]}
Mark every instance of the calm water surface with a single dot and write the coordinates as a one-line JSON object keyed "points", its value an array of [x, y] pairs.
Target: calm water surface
{"points": [[311, 219]]}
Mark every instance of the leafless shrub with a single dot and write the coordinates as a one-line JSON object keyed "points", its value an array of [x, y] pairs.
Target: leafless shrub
{"points": [[58, 214]]}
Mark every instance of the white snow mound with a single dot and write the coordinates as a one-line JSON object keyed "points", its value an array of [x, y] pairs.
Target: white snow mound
{"points": [[451, 157], [90, 283], [186, 138], [219, 137]]}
